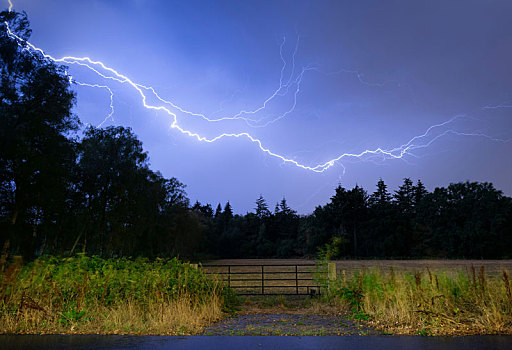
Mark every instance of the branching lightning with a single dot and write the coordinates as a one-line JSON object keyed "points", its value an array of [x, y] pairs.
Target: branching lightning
{"points": [[248, 115], [111, 114], [285, 84]]}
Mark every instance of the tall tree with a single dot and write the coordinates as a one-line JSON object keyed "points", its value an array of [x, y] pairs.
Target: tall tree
{"points": [[285, 209], [218, 211], [111, 163], [419, 192], [130, 209], [285, 223], [401, 239], [381, 197], [404, 196], [262, 210], [357, 214], [380, 225], [36, 157], [228, 212]]}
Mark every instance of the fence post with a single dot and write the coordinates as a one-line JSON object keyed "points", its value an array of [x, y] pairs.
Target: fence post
{"points": [[331, 274], [229, 276], [297, 279], [262, 280]]}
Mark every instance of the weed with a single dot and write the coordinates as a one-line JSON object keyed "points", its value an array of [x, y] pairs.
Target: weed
{"points": [[232, 301], [424, 332], [71, 317], [360, 316]]}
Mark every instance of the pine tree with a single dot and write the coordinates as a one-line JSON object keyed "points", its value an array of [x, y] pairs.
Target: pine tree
{"points": [[262, 208], [285, 209], [228, 212], [381, 196], [419, 192], [218, 211], [404, 196]]}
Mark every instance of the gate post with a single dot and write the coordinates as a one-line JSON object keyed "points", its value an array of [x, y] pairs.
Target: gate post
{"points": [[262, 280], [297, 279], [331, 274]]}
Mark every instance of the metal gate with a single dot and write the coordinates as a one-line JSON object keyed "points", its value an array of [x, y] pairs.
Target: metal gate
{"points": [[267, 279]]}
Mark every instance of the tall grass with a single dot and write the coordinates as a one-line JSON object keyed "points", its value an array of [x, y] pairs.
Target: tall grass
{"points": [[93, 295], [429, 302]]}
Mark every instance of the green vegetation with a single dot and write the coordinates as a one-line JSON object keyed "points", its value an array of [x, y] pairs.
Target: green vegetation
{"points": [[94, 295], [429, 302]]}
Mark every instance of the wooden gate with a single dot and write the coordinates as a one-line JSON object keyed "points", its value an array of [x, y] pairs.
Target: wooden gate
{"points": [[268, 279]]}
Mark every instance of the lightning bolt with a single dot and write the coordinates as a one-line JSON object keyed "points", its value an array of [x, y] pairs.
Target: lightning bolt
{"points": [[110, 74], [501, 105], [110, 115]]}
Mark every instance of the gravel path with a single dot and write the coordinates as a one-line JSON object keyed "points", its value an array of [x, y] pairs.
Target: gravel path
{"points": [[287, 325]]}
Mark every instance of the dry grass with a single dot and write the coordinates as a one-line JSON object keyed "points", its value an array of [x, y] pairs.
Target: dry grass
{"points": [[176, 317], [430, 302]]}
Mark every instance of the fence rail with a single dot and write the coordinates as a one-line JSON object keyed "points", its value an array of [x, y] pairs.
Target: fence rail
{"points": [[274, 279]]}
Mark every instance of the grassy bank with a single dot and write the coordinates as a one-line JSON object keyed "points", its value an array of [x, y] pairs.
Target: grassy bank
{"points": [[428, 302], [91, 295], [98, 296]]}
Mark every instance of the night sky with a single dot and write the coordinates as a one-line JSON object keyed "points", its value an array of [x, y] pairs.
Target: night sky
{"points": [[354, 75]]}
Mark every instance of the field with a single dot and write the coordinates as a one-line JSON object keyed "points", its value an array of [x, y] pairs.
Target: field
{"points": [[492, 267]]}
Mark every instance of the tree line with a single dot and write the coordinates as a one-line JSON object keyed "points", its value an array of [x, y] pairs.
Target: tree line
{"points": [[65, 189], [463, 220]]}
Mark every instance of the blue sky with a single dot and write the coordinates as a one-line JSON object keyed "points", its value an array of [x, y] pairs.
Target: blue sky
{"points": [[376, 74]]}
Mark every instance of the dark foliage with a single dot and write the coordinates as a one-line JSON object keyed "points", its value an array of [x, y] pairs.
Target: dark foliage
{"points": [[36, 158], [464, 220]]}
